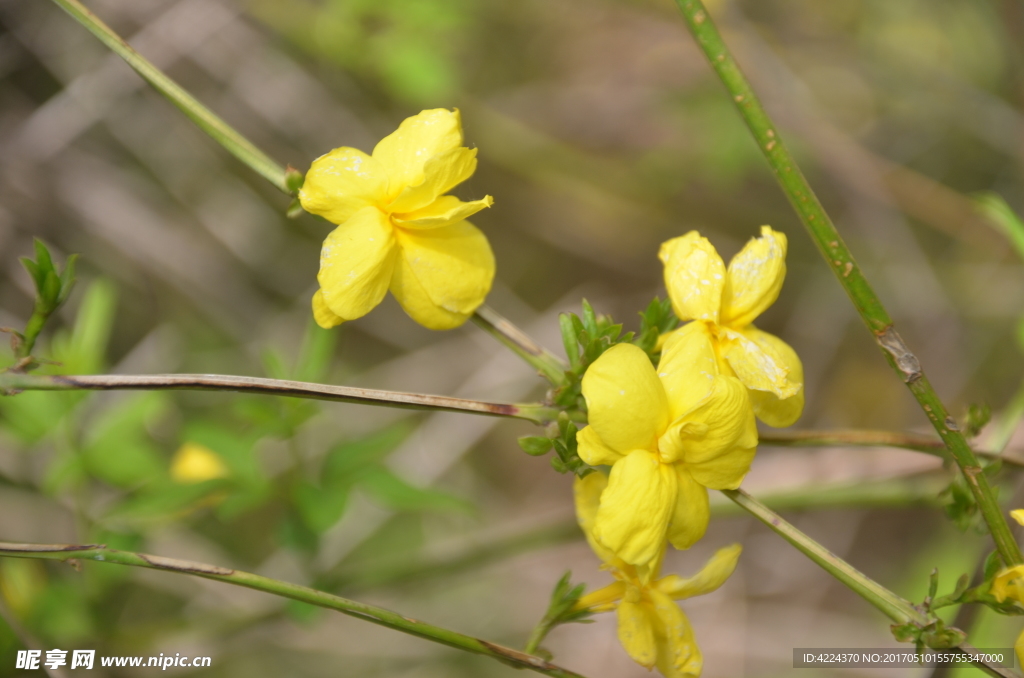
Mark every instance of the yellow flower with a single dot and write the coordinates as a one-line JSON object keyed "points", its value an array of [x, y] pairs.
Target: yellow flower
{"points": [[194, 463], [397, 228], [1009, 584], [652, 628], [668, 436], [723, 304]]}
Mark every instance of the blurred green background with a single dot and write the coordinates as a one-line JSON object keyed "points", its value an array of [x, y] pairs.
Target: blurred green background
{"points": [[601, 133]]}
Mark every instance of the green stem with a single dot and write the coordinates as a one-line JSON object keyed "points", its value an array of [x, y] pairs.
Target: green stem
{"points": [[841, 261], [12, 383], [907, 441], [351, 608], [220, 131], [899, 610], [33, 327], [549, 365]]}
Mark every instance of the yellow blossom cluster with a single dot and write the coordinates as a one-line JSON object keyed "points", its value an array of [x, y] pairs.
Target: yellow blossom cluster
{"points": [[670, 434], [1008, 584]]}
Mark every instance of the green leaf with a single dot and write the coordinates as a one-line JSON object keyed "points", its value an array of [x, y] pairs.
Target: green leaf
{"points": [[535, 446], [84, 350], [118, 448], [397, 494], [1003, 218], [319, 509], [345, 463]]}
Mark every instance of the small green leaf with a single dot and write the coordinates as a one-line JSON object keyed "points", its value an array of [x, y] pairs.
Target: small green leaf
{"points": [[535, 445], [320, 509]]}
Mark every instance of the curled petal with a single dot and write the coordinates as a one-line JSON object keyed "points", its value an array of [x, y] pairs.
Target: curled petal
{"points": [[405, 152], [441, 173], [342, 182], [356, 263], [1018, 648], [723, 422], [444, 211], [760, 366], [636, 508], [768, 407], [443, 275], [726, 471], [678, 654], [694, 276], [324, 317], [1018, 515], [592, 449], [718, 569], [754, 279], [691, 513], [688, 367], [627, 405], [636, 632]]}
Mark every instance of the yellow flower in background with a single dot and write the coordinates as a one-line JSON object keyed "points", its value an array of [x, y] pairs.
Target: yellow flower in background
{"points": [[668, 436], [397, 229], [195, 463], [652, 628], [723, 303]]}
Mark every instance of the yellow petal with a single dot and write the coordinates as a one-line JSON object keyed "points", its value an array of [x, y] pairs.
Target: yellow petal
{"points": [[768, 407], [717, 570], [324, 317], [587, 494], [444, 211], [1018, 515], [722, 421], [694, 276], [592, 449], [441, 174], [194, 463], [405, 152], [688, 368], [725, 472], [678, 654], [754, 279], [1018, 649], [627, 405], [356, 264], [636, 632], [1007, 584], [342, 182], [444, 275], [691, 513], [636, 508], [602, 600], [760, 366]]}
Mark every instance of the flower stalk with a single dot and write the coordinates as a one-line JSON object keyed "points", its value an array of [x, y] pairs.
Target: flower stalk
{"points": [[220, 131], [548, 364], [846, 270], [370, 613], [12, 382]]}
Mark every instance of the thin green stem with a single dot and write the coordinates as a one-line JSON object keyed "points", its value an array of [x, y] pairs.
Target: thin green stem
{"points": [[907, 441], [548, 364], [33, 327], [12, 382], [896, 608], [840, 260], [370, 613], [220, 131]]}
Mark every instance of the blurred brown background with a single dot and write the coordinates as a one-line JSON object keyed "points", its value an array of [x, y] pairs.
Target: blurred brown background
{"points": [[601, 133]]}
